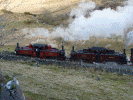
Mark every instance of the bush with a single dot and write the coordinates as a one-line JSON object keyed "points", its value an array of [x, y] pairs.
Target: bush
{"points": [[6, 11], [31, 64], [7, 77], [29, 22], [48, 18], [13, 87], [119, 74], [27, 13]]}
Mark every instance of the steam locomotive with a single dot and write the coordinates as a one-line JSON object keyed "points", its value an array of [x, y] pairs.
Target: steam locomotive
{"points": [[100, 54], [41, 51], [94, 54]]}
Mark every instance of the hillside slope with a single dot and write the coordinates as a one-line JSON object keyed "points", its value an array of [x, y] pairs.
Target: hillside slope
{"points": [[50, 82], [36, 6]]}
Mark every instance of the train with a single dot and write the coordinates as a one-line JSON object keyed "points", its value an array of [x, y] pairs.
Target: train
{"points": [[99, 54], [90, 55], [43, 51]]}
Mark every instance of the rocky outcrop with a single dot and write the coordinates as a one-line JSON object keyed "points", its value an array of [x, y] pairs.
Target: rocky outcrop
{"points": [[11, 90]]}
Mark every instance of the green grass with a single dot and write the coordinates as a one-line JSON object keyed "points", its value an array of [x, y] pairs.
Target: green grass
{"points": [[34, 96], [7, 48]]}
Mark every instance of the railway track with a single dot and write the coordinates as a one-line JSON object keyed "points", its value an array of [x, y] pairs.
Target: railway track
{"points": [[10, 56], [109, 66]]}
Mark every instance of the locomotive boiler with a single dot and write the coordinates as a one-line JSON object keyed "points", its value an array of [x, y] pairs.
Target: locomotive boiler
{"points": [[99, 54], [41, 51]]}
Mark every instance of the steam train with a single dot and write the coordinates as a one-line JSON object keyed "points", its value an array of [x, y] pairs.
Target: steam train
{"points": [[94, 54], [41, 51], [100, 54]]}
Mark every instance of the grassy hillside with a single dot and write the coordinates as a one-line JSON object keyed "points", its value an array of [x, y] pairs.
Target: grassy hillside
{"points": [[49, 18], [63, 83], [54, 82]]}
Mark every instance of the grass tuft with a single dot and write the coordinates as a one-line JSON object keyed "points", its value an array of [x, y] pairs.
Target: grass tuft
{"points": [[29, 21]]}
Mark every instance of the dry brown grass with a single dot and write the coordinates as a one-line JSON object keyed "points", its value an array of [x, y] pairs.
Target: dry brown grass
{"points": [[48, 18], [64, 83]]}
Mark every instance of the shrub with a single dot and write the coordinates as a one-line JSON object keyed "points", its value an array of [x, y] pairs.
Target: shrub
{"points": [[29, 21], [7, 77], [27, 13], [48, 17], [13, 87], [31, 64], [119, 74], [6, 11]]}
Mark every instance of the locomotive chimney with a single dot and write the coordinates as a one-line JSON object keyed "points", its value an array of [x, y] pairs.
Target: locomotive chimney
{"points": [[17, 44], [124, 51], [131, 59], [62, 48], [73, 48]]}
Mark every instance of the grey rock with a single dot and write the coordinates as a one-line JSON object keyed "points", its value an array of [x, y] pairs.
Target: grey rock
{"points": [[12, 91]]}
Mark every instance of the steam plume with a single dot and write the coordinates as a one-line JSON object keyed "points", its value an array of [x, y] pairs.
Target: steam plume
{"points": [[101, 23], [129, 39]]}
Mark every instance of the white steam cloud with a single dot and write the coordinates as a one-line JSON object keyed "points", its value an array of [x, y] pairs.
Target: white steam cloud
{"points": [[129, 39], [83, 8], [101, 23]]}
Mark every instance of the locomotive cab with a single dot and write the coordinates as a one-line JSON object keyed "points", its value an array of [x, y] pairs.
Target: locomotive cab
{"points": [[49, 47], [38, 48], [30, 46]]}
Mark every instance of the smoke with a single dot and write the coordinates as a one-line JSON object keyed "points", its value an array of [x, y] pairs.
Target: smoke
{"points": [[83, 9], [129, 39], [101, 23]]}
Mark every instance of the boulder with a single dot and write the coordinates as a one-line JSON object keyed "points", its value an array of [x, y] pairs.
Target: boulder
{"points": [[12, 91]]}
